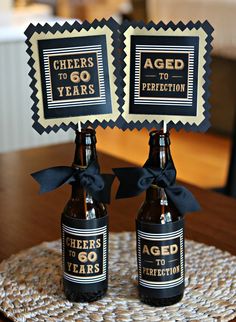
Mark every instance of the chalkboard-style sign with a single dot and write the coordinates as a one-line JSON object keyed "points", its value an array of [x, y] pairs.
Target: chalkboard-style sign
{"points": [[165, 70], [73, 74]]}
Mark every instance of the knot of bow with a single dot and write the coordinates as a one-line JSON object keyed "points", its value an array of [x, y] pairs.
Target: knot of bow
{"points": [[98, 185], [135, 180]]}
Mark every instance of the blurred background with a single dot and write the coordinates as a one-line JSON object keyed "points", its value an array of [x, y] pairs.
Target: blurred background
{"points": [[206, 160]]}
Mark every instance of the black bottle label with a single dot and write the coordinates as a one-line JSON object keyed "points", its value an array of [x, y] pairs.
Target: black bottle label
{"points": [[84, 252], [160, 254]]}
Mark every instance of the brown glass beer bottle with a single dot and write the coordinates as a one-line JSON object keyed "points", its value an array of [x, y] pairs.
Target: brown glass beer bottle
{"points": [[84, 227], [160, 236]]}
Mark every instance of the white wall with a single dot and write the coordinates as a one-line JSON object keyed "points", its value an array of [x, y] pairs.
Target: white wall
{"points": [[16, 130]]}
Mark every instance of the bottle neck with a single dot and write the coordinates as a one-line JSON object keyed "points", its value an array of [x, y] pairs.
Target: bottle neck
{"points": [[85, 153], [159, 155]]}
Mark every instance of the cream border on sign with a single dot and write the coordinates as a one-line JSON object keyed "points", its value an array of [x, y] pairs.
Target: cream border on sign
{"points": [[105, 30], [137, 31]]}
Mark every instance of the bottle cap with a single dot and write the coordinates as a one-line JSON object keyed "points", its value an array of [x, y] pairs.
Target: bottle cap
{"points": [[86, 137], [159, 138]]}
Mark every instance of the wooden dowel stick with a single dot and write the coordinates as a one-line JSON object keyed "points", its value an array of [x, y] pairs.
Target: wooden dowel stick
{"points": [[164, 126], [79, 126]]}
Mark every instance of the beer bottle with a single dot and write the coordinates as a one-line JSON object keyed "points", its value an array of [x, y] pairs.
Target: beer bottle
{"points": [[84, 229], [160, 236]]}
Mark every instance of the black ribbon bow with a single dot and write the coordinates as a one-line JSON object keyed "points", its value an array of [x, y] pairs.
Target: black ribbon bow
{"points": [[98, 185], [135, 180]]}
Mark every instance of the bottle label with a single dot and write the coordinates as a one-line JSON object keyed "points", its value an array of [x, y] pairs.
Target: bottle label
{"points": [[84, 250], [160, 254]]}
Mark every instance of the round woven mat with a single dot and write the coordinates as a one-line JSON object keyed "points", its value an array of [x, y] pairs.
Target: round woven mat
{"points": [[30, 287]]}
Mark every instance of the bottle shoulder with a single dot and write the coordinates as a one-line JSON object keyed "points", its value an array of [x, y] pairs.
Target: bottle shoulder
{"points": [[84, 210], [157, 212]]}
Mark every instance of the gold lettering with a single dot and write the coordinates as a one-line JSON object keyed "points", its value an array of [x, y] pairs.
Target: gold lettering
{"points": [[155, 250], [85, 76], [90, 62], [56, 64], [160, 87], [63, 64], [92, 256], [83, 62], [165, 250], [91, 89], [169, 63], [148, 64], [70, 63], [76, 63], [76, 91], [179, 64], [91, 244], [60, 90], [167, 271], [161, 271], [68, 91], [90, 269], [75, 268], [85, 244], [72, 243], [69, 266], [173, 249], [98, 243], [159, 64], [79, 242], [145, 250], [83, 89]]}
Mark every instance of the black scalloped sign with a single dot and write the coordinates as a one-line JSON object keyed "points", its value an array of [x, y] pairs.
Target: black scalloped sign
{"points": [[165, 69], [73, 74], [132, 75]]}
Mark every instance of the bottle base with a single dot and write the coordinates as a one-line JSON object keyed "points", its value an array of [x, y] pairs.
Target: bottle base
{"points": [[84, 297], [161, 301]]}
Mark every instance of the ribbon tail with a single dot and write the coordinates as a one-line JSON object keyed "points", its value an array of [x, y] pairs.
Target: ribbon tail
{"points": [[129, 179], [52, 178], [104, 195], [183, 199]]}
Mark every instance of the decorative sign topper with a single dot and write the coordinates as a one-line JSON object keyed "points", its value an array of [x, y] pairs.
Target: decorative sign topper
{"points": [[165, 70], [78, 72], [73, 74]]}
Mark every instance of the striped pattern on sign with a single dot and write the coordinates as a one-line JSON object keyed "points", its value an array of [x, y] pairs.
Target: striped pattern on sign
{"points": [[161, 237], [87, 233], [160, 49], [75, 101]]}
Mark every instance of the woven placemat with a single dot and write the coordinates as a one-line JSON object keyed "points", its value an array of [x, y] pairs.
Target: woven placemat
{"points": [[31, 290]]}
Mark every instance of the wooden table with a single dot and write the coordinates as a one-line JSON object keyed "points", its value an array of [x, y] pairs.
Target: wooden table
{"points": [[28, 218]]}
